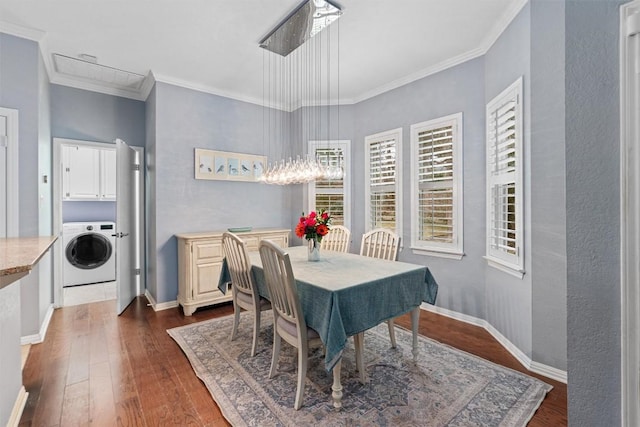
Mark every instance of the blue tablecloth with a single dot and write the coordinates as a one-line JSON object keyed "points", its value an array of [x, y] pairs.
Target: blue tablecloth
{"points": [[344, 294]]}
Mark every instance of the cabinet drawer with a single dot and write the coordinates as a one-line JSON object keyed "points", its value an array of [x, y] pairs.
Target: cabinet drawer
{"points": [[251, 242], [210, 250]]}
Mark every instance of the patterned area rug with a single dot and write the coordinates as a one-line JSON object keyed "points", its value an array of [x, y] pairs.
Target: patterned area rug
{"points": [[447, 387]]}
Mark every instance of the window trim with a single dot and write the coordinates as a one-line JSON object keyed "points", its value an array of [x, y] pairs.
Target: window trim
{"points": [[397, 135], [454, 250], [511, 264], [345, 144]]}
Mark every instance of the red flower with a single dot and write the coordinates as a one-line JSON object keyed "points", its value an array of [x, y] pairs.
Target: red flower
{"points": [[325, 216], [300, 230], [312, 214], [310, 222], [322, 230]]}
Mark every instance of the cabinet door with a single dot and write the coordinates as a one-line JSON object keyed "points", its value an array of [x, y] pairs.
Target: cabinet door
{"points": [[207, 276], [82, 173], [108, 174]]}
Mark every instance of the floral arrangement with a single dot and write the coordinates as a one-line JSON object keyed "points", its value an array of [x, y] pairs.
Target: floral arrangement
{"points": [[313, 226]]}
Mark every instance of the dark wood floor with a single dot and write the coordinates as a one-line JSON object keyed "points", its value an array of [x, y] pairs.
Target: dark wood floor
{"points": [[97, 368]]}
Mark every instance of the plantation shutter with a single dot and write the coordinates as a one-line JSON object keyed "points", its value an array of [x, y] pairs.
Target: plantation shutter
{"points": [[504, 171], [435, 185], [329, 193], [382, 181]]}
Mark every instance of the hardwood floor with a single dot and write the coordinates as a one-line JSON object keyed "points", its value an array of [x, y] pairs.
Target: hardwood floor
{"points": [[97, 368]]}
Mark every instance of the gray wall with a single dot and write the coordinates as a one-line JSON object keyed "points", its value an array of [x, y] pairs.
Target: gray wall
{"points": [[185, 120], [593, 210], [150, 191], [548, 219], [88, 211], [19, 89], [508, 298], [91, 116], [458, 89]]}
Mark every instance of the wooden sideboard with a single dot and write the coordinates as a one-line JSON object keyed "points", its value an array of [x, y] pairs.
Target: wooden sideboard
{"points": [[200, 257]]}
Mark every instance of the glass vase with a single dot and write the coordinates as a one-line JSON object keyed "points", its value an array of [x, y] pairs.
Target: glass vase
{"points": [[314, 250]]}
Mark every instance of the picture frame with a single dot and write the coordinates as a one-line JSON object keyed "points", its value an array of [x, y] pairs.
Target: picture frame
{"points": [[228, 166]]}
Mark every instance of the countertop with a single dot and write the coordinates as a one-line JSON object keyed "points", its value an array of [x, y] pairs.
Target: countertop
{"points": [[18, 255]]}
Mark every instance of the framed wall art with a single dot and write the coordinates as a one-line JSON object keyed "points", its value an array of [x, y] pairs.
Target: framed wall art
{"points": [[228, 166]]}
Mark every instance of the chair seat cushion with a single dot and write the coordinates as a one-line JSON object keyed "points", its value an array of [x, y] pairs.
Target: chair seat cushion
{"points": [[248, 299], [291, 329]]}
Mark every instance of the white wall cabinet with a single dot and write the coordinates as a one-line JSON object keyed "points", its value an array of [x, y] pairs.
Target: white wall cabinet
{"points": [[200, 257], [89, 173]]}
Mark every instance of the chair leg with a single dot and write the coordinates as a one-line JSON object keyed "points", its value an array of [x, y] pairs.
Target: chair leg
{"points": [[302, 375], [256, 329], [392, 333], [275, 354], [358, 343], [236, 320]]}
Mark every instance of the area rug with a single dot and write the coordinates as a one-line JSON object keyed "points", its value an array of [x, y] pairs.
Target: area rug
{"points": [[446, 387]]}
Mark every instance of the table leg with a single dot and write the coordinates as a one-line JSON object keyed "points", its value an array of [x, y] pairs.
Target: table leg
{"points": [[415, 319], [337, 386]]}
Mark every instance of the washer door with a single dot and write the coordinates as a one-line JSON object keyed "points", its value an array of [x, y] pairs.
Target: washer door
{"points": [[88, 251]]}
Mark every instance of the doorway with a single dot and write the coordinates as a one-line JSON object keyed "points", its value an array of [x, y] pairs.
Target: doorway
{"points": [[84, 218], [9, 174]]}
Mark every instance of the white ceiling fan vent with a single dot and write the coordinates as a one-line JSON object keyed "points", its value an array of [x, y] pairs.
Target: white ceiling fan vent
{"points": [[92, 72]]}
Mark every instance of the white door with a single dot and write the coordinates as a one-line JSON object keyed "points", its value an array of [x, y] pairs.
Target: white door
{"points": [[126, 169]]}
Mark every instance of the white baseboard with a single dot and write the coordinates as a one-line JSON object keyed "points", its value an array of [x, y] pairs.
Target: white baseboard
{"points": [[159, 306], [18, 407], [536, 367], [39, 337]]}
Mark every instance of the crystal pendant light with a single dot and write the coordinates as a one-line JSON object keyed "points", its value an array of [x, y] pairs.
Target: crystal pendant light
{"points": [[297, 78]]}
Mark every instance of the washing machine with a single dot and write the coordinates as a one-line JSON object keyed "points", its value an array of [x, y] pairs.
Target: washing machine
{"points": [[89, 252]]}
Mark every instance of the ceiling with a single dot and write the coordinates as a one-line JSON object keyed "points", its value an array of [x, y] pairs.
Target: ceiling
{"points": [[212, 45]]}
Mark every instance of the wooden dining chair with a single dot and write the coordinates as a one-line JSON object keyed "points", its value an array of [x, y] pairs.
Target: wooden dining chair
{"points": [[288, 318], [383, 244], [243, 286], [337, 240]]}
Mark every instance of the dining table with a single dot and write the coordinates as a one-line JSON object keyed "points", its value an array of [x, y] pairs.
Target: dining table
{"points": [[344, 294]]}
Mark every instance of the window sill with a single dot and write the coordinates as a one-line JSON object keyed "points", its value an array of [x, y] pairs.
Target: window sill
{"points": [[513, 270], [437, 253]]}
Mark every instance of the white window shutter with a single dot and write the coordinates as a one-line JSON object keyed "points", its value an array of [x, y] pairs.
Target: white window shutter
{"points": [[437, 186], [382, 188], [504, 179]]}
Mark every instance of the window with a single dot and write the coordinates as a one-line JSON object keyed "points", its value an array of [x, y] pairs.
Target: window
{"points": [[332, 195], [382, 181], [504, 181], [436, 187]]}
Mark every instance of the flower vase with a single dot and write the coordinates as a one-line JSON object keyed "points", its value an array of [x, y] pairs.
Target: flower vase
{"points": [[314, 249]]}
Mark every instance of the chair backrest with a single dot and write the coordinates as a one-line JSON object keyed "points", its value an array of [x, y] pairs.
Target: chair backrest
{"points": [[281, 284], [239, 264], [380, 243], [337, 239]]}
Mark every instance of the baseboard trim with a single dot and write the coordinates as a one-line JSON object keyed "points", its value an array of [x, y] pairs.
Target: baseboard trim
{"points": [[39, 337], [18, 407], [159, 306], [536, 367]]}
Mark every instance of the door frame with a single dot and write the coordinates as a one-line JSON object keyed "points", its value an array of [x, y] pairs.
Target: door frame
{"points": [[58, 253], [630, 213], [13, 201]]}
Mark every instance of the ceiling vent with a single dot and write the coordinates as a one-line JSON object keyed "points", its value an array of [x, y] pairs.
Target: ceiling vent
{"points": [[90, 71]]}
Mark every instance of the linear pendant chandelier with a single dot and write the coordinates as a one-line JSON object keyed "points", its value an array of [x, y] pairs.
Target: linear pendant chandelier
{"points": [[300, 62]]}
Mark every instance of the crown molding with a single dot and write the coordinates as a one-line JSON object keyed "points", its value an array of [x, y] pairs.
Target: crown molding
{"points": [[22, 32], [448, 63], [162, 78], [486, 43], [60, 79]]}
